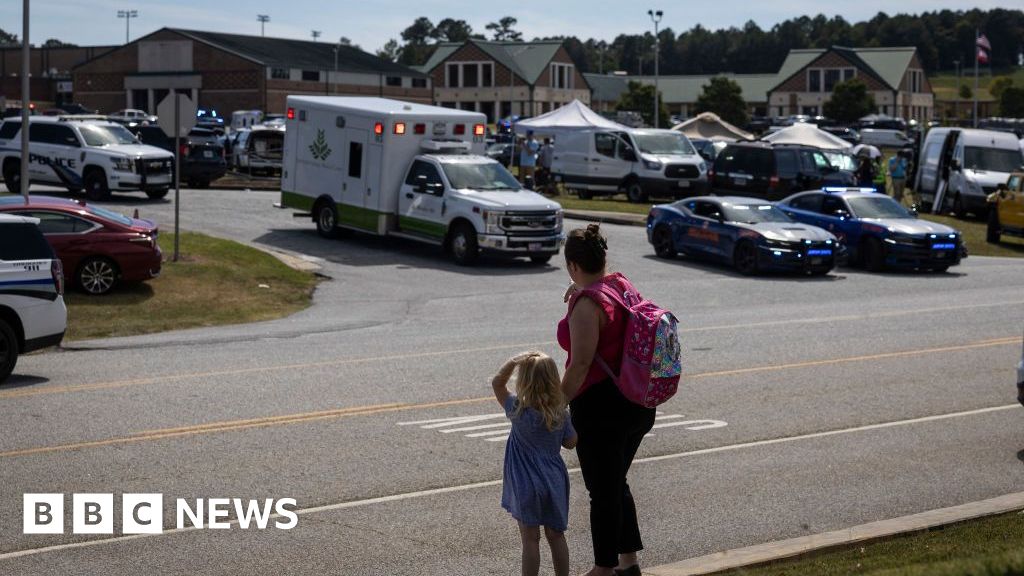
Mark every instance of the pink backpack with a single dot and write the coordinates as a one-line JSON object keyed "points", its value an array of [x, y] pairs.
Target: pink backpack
{"points": [[651, 357]]}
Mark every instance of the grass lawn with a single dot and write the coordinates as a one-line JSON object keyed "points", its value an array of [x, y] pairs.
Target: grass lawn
{"points": [[945, 87], [215, 282], [986, 547]]}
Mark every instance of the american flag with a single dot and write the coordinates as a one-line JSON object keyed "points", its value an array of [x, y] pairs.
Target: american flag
{"points": [[982, 56], [982, 42]]}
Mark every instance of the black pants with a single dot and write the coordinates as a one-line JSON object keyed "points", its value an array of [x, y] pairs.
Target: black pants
{"points": [[610, 430]]}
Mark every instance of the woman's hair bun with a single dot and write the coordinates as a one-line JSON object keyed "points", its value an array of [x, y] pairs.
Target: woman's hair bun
{"points": [[593, 235]]}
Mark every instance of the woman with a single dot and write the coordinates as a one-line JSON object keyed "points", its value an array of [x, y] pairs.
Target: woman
{"points": [[609, 426]]}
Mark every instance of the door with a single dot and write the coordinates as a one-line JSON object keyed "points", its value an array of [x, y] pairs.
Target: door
{"points": [[1011, 208], [602, 160], [354, 178], [421, 202], [836, 218], [705, 234]]}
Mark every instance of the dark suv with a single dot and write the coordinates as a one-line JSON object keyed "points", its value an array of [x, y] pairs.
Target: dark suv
{"points": [[762, 170], [202, 155]]}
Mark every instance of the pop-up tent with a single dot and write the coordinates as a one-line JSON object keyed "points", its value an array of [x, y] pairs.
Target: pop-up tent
{"points": [[574, 116], [710, 127], [808, 134]]}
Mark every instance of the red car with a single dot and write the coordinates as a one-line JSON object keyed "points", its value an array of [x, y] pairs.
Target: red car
{"points": [[98, 247]]}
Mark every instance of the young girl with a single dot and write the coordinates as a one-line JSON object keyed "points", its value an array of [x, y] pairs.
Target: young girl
{"points": [[536, 484]]}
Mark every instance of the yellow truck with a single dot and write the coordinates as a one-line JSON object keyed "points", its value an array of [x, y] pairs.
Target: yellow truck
{"points": [[1006, 213]]}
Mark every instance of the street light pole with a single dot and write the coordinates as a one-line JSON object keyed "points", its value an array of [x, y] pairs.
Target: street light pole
{"points": [[263, 19], [316, 34], [656, 18], [127, 15], [26, 99]]}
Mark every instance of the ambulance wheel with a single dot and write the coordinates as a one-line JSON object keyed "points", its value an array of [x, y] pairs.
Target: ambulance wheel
{"points": [[8, 350], [157, 193], [326, 217], [464, 245], [96, 185], [12, 176]]}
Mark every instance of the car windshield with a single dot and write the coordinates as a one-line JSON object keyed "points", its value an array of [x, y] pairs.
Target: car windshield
{"points": [[841, 161], [109, 215], [663, 143], [992, 159], [877, 206], [479, 176], [106, 135], [754, 213]]}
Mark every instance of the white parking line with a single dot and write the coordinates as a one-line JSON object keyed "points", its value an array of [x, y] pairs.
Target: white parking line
{"points": [[694, 424], [490, 433]]}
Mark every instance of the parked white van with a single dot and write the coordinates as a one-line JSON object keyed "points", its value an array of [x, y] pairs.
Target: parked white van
{"points": [[972, 162], [884, 138], [641, 163], [413, 171]]}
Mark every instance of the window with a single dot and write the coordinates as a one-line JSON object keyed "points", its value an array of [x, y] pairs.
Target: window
{"points": [[833, 206], [814, 80], [280, 73], [23, 242], [419, 82], [311, 75], [9, 129], [394, 81], [453, 76], [848, 74], [54, 223], [42, 133], [708, 210], [355, 159], [470, 75], [831, 79], [65, 136], [786, 163], [486, 74], [428, 171], [810, 202], [604, 143], [562, 76]]}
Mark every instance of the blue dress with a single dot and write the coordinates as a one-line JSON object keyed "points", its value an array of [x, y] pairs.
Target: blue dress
{"points": [[536, 484]]}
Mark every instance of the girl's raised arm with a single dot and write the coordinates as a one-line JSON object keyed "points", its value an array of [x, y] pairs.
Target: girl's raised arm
{"points": [[500, 382]]}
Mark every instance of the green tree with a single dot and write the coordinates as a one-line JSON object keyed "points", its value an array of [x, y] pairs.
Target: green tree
{"points": [[725, 98], [451, 30], [639, 97], [416, 50], [55, 43], [8, 39], [997, 86], [850, 100], [965, 92], [390, 51], [1011, 102], [504, 30]]}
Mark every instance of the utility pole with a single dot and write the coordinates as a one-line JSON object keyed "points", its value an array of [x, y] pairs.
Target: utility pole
{"points": [[263, 19], [127, 15], [26, 98], [656, 18]]}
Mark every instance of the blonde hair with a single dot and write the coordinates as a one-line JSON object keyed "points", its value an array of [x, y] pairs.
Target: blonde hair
{"points": [[539, 387]]}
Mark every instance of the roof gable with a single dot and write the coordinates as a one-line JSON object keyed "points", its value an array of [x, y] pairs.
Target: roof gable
{"points": [[528, 60], [887, 65], [890, 64]]}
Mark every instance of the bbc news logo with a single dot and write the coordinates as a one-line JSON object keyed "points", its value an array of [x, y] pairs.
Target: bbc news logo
{"points": [[144, 513]]}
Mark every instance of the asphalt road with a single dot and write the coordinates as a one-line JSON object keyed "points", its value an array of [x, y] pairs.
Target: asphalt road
{"points": [[808, 405]]}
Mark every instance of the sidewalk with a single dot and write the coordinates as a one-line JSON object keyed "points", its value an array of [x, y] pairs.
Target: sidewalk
{"points": [[772, 551]]}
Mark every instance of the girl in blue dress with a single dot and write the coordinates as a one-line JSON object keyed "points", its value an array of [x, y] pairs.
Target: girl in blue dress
{"points": [[536, 484]]}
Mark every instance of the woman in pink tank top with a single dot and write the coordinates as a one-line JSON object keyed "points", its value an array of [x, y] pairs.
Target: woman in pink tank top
{"points": [[610, 427]]}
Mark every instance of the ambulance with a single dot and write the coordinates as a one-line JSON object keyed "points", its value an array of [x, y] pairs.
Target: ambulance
{"points": [[412, 171]]}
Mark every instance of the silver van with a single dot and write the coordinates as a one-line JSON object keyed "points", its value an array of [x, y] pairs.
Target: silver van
{"points": [[972, 163]]}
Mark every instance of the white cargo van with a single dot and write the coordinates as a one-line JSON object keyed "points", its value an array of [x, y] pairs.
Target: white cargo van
{"points": [[414, 171], [641, 163], [971, 162]]}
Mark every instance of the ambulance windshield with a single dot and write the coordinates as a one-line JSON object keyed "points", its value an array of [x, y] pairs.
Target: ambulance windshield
{"points": [[479, 176]]}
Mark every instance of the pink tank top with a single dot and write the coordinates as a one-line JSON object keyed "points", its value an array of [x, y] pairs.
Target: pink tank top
{"points": [[609, 343]]}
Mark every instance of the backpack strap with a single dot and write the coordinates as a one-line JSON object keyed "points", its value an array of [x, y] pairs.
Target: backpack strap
{"points": [[602, 295]]}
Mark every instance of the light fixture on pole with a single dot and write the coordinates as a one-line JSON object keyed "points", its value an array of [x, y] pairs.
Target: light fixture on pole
{"points": [[127, 15], [656, 18], [316, 34], [263, 19]]}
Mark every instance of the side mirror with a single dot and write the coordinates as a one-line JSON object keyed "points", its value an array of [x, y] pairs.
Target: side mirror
{"points": [[629, 154]]}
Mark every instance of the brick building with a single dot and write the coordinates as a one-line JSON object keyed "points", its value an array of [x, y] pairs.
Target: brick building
{"points": [[504, 78], [894, 77], [227, 72], [50, 70], [679, 94]]}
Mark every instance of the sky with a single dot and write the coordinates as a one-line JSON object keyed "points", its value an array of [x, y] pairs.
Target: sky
{"points": [[370, 24]]}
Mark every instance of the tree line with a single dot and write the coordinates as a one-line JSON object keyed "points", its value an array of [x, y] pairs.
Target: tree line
{"points": [[941, 37]]}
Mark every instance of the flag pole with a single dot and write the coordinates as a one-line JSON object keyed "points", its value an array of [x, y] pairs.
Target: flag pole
{"points": [[975, 48]]}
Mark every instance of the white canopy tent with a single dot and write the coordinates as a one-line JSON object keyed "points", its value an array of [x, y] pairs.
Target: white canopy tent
{"points": [[711, 127], [808, 134], [574, 116]]}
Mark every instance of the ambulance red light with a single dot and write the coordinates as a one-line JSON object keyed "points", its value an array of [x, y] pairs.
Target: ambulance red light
{"points": [[460, 129], [378, 128], [478, 130], [291, 113], [419, 129], [399, 128]]}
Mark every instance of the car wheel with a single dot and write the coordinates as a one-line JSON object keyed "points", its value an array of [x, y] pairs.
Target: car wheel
{"points": [[744, 258], [97, 276], [464, 245], [12, 176], [326, 216], [874, 255], [664, 247], [8, 350], [540, 259], [635, 192], [992, 232], [96, 185], [584, 194], [157, 194]]}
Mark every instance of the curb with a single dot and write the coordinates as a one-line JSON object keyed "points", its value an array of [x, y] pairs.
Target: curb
{"points": [[772, 551], [610, 218]]}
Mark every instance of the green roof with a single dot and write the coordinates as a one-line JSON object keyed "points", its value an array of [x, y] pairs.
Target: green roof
{"points": [[681, 89], [528, 60], [889, 63], [797, 59]]}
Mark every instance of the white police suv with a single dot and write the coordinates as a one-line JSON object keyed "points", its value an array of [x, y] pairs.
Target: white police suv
{"points": [[84, 154], [32, 312]]}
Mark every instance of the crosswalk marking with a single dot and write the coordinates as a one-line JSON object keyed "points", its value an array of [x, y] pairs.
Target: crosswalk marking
{"points": [[488, 433], [480, 427]]}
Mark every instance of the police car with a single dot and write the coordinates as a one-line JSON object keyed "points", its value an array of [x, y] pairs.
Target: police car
{"points": [[32, 312], [84, 154]]}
